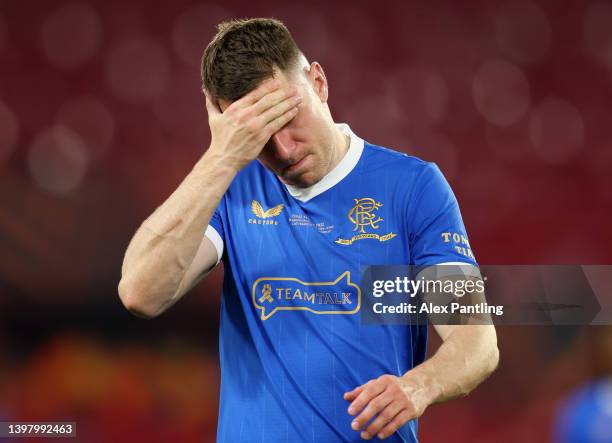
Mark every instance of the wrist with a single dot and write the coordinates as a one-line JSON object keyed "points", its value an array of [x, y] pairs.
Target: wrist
{"points": [[422, 387], [227, 158], [217, 163]]}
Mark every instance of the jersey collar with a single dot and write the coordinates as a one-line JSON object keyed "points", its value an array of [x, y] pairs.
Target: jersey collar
{"points": [[333, 177]]}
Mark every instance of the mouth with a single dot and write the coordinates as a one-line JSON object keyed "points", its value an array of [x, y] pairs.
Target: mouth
{"points": [[292, 169]]}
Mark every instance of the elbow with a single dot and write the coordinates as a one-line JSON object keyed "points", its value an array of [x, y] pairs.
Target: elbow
{"points": [[135, 300], [494, 359], [488, 366]]}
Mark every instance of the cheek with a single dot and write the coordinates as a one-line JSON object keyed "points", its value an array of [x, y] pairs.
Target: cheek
{"points": [[267, 158]]}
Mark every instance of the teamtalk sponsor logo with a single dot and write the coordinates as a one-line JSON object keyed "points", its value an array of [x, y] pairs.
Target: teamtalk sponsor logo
{"points": [[275, 294], [459, 243], [265, 217], [364, 215]]}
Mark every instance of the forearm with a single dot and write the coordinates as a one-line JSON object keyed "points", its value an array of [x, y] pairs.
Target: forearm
{"points": [[466, 358], [165, 244]]}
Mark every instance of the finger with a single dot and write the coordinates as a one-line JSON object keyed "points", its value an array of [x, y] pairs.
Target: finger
{"points": [[277, 124], [273, 99], [265, 87], [371, 389], [398, 421], [351, 395], [280, 108], [382, 419], [373, 408]]}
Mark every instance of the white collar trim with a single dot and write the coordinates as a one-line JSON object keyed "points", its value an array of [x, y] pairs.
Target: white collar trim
{"points": [[333, 177]]}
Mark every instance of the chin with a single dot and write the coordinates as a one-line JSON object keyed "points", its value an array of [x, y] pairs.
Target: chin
{"points": [[303, 180]]}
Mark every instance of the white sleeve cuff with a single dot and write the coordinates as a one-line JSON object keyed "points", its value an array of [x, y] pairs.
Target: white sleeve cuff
{"points": [[216, 240]]}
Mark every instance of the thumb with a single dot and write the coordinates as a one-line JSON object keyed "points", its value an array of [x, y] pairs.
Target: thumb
{"points": [[211, 105]]}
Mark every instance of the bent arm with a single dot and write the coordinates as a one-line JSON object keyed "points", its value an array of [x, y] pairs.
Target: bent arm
{"points": [[466, 357], [169, 253], [468, 353]]}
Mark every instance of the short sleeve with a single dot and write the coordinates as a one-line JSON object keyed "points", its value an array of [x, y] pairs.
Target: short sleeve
{"points": [[215, 231], [437, 234]]}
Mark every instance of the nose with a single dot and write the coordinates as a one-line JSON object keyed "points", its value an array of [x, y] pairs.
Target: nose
{"points": [[284, 146]]}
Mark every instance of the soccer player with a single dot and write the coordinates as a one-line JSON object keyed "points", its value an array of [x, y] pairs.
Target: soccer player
{"points": [[296, 206]]}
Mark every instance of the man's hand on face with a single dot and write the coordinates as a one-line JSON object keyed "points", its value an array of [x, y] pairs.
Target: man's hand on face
{"points": [[386, 403], [240, 133]]}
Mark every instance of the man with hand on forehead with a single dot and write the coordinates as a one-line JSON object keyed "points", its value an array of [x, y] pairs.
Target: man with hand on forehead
{"points": [[296, 206]]}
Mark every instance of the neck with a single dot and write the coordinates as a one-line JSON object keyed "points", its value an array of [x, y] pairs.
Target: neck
{"points": [[340, 146]]}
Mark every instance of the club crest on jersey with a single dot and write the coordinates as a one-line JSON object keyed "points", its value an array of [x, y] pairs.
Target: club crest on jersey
{"points": [[365, 218], [275, 294], [265, 217]]}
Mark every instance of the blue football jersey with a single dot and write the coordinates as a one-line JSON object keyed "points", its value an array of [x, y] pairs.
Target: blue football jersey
{"points": [[291, 340]]}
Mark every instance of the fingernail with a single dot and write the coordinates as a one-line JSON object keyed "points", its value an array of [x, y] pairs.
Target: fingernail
{"points": [[355, 425], [381, 435], [365, 436], [351, 410]]}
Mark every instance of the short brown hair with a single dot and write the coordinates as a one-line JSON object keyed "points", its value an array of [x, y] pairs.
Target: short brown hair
{"points": [[243, 53]]}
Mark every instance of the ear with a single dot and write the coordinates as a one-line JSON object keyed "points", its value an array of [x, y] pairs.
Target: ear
{"points": [[317, 79]]}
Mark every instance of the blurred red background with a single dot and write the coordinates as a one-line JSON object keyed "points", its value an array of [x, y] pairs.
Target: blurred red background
{"points": [[101, 116]]}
